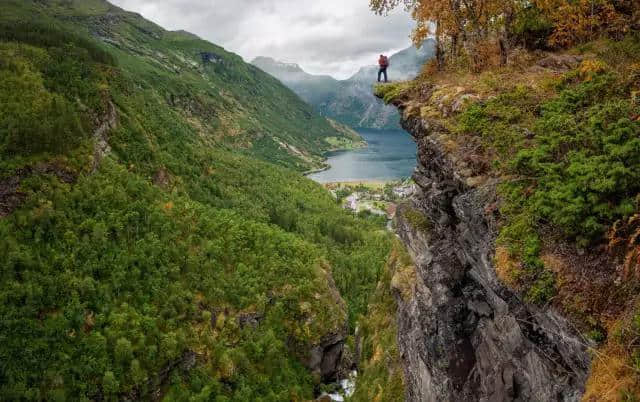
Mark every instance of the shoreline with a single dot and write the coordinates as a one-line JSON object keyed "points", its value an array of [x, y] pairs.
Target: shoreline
{"points": [[376, 183], [359, 145], [310, 172], [359, 176]]}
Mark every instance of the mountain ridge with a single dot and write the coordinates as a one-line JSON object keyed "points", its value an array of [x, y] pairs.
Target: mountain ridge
{"points": [[350, 101], [175, 57]]}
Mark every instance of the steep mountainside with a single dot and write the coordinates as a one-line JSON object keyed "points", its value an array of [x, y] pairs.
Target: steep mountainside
{"points": [[524, 229], [350, 101], [147, 251], [214, 90], [464, 335], [313, 89], [404, 65]]}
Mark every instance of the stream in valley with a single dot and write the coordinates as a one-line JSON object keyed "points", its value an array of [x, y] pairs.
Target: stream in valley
{"points": [[389, 155]]}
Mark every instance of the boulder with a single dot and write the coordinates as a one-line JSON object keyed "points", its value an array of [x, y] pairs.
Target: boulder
{"points": [[560, 62], [325, 358]]}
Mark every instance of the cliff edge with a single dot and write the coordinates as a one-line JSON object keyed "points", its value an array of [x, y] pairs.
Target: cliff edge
{"points": [[511, 302]]}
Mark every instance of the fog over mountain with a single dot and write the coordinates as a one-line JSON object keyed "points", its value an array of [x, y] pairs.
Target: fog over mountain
{"points": [[326, 37], [350, 101]]}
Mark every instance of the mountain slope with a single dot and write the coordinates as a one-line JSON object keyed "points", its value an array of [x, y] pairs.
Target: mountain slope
{"points": [[314, 89], [350, 101], [147, 251], [216, 93]]}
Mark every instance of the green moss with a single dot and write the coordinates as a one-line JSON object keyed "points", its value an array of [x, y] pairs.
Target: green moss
{"points": [[417, 219], [389, 92]]}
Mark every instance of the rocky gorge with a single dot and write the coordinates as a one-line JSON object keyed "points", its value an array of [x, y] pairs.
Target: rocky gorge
{"points": [[463, 335]]}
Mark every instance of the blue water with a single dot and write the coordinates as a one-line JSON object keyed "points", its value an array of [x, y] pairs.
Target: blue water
{"points": [[390, 155]]}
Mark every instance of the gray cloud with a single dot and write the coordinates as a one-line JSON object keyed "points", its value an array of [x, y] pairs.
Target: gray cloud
{"points": [[324, 36]]}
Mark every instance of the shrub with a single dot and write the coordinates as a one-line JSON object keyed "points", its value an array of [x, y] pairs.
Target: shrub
{"points": [[577, 168], [532, 28], [32, 119], [586, 171], [592, 67], [48, 35], [542, 289]]}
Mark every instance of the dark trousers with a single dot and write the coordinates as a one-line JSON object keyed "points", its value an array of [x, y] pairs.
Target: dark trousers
{"points": [[383, 70]]}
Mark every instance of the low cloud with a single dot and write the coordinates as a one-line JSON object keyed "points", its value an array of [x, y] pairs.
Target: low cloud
{"points": [[333, 37]]}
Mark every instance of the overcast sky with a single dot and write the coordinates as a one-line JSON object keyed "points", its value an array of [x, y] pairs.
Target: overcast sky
{"points": [[333, 37]]}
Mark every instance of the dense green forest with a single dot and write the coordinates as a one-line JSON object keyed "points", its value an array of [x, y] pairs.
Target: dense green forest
{"points": [[142, 218]]}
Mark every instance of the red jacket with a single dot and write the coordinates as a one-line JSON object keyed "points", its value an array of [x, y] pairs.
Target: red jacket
{"points": [[383, 61]]}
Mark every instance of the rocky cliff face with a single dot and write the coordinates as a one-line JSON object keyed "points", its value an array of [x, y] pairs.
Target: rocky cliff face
{"points": [[464, 336]]}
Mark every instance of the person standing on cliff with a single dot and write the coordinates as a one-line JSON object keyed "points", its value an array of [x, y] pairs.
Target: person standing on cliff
{"points": [[383, 62]]}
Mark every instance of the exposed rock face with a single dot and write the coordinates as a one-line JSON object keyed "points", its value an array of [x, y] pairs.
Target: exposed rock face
{"points": [[325, 358], [560, 62], [464, 336], [251, 320], [100, 136], [10, 195], [186, 362], [162, 178]]}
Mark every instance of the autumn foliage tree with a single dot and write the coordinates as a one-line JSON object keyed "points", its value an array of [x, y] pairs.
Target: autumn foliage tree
{"points": [[478, 29], [463, 27], [580, 20]]}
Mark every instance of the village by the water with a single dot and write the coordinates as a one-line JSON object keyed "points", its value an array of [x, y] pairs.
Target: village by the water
{"points": [[372, 197]]}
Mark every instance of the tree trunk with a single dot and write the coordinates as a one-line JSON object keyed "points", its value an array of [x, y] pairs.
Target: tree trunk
{"points": [[454, 46], [504, 51], [505, 37], [439, 54], [439, 50]]}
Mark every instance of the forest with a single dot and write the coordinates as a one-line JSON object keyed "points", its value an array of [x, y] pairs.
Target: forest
{"points": [[133, 269]]}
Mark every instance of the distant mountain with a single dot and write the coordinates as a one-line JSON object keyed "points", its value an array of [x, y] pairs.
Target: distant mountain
{"points": [[404, 65], [350, 101], [314, 89]]}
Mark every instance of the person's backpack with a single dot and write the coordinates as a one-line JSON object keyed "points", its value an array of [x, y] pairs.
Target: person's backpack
{"points": [[385, 61]]}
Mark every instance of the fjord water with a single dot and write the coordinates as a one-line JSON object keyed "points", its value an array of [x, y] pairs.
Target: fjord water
{"points": [[390, 155]]}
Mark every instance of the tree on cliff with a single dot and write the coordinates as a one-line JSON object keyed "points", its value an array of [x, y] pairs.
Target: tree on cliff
{"points": [[484, 30], [463, 26], [578, 21]]}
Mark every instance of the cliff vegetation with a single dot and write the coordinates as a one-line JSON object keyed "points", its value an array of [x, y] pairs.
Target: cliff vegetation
{"points": [[549, 112]]}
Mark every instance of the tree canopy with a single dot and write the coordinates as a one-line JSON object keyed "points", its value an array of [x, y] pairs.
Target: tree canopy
{"points": [[480, 29]]}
